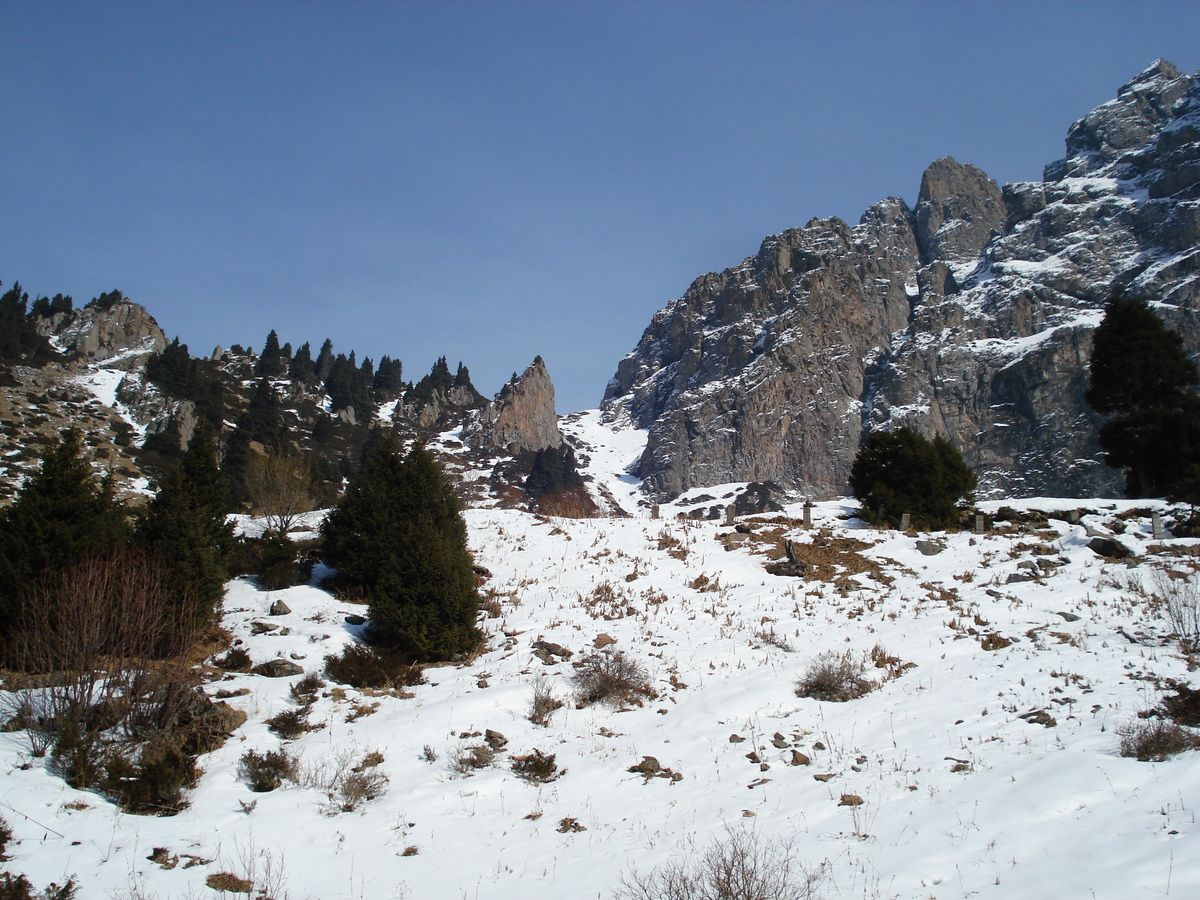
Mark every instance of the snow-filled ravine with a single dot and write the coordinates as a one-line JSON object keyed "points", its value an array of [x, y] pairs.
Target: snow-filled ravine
{"points": [[988, 767]]}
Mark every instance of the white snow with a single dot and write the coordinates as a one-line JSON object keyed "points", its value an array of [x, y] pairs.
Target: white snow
{"points": [[961, 796]]}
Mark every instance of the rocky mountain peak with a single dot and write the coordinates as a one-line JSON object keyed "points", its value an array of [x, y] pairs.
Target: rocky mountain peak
{"points": [[958, 209], [1127, 122], [969, 317], [521, 417]]}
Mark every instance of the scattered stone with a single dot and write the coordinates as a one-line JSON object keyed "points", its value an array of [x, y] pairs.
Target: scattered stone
{"points": [[553, 649], [757, 782], [850, 800], [1110, 548], [1069, 616], [779, 742], [1019, 577], [788, 569], [262, 627], [736, 739], [481, 572], [799, 759], [1039, 717], [747, 814], [827, 776], [164, 857], [495, 739], [352, 619], [648, 766], [279, 608], [603, 640], [930, 548], [278, 668]]}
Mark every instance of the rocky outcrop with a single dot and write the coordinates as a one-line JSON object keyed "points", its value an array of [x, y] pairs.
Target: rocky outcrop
{"points": [[521, 417], [959, 209], [119, 332], [970, 317]]}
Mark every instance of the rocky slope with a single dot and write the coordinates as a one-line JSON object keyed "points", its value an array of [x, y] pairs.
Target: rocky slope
{"points": [[970, 315]]}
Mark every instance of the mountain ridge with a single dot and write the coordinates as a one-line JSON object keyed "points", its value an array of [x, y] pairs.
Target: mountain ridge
{"points": [[968, 316]]}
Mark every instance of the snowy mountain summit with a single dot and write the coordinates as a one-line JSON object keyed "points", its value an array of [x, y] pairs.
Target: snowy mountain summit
{"points": [[970, 316]]}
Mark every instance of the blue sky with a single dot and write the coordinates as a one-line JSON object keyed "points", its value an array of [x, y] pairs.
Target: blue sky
{"points": [[490, 181]]}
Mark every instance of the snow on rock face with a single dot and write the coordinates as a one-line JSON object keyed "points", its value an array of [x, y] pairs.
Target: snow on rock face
{"points": [[971, 317]]}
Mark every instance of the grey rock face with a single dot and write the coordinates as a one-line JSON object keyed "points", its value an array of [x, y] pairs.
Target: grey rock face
{"points": [[969, 317], [958, 209], [124, 331], [522, 417]]}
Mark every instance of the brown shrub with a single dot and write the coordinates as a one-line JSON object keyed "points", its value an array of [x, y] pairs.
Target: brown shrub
{"points": [[611, 677], [834, 677]]}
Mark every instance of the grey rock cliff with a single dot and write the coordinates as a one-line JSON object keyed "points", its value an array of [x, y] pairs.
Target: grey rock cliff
{"points": [[521, 417], [971, 317], [123, 332]]}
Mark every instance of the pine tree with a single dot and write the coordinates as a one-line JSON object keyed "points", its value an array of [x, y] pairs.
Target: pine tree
{"points": [[185, 524], [324, 360], [271, 363], [399, 533], [302, 368], [262, 422], [898, 472], [19, 339], [1142, 378], [58, 516]]}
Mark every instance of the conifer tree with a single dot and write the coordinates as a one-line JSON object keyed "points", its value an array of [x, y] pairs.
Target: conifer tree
{"points": [[271, 363], [399, 533], [58, 516], [1142, 378], [898, 472], [185, 524], [302, 368], [324, 360]]}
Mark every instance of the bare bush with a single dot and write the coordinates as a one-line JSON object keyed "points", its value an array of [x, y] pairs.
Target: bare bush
{"points": [[280, 487], [93, 628], [1179, 596], [543, 703], [738, 866], [471, 759], [347, 780], [264, 772], [1155, 740], [834, 677], [537, 767], [361, 666], [612, 677], [291, 723]]}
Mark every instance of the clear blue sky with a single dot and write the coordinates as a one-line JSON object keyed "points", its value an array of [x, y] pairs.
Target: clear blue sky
{"points": [[495, 180]]}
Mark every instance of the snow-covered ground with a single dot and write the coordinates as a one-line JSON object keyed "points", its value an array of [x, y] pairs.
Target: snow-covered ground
{"points": [[960, 795]]}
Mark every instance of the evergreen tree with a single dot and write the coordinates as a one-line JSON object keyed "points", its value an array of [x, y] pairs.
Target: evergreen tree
{"points": [[185, 524], [899, 472], [271, 363], [324, 360], [1142, 378], [389, 379], [58, 516], [19, 339], [399, 533], [1137, 362], [302, 367], [262, 423], [554, 470]]}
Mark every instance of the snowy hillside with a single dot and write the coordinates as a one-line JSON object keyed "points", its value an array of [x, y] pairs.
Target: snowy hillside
{"points": [[983, 763]]}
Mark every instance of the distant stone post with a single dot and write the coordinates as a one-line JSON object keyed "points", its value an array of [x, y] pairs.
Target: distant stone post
{"points": [[905, 521], [1156, 524], [654, 511], [729, 514], [808, 507], [980, 523]]}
